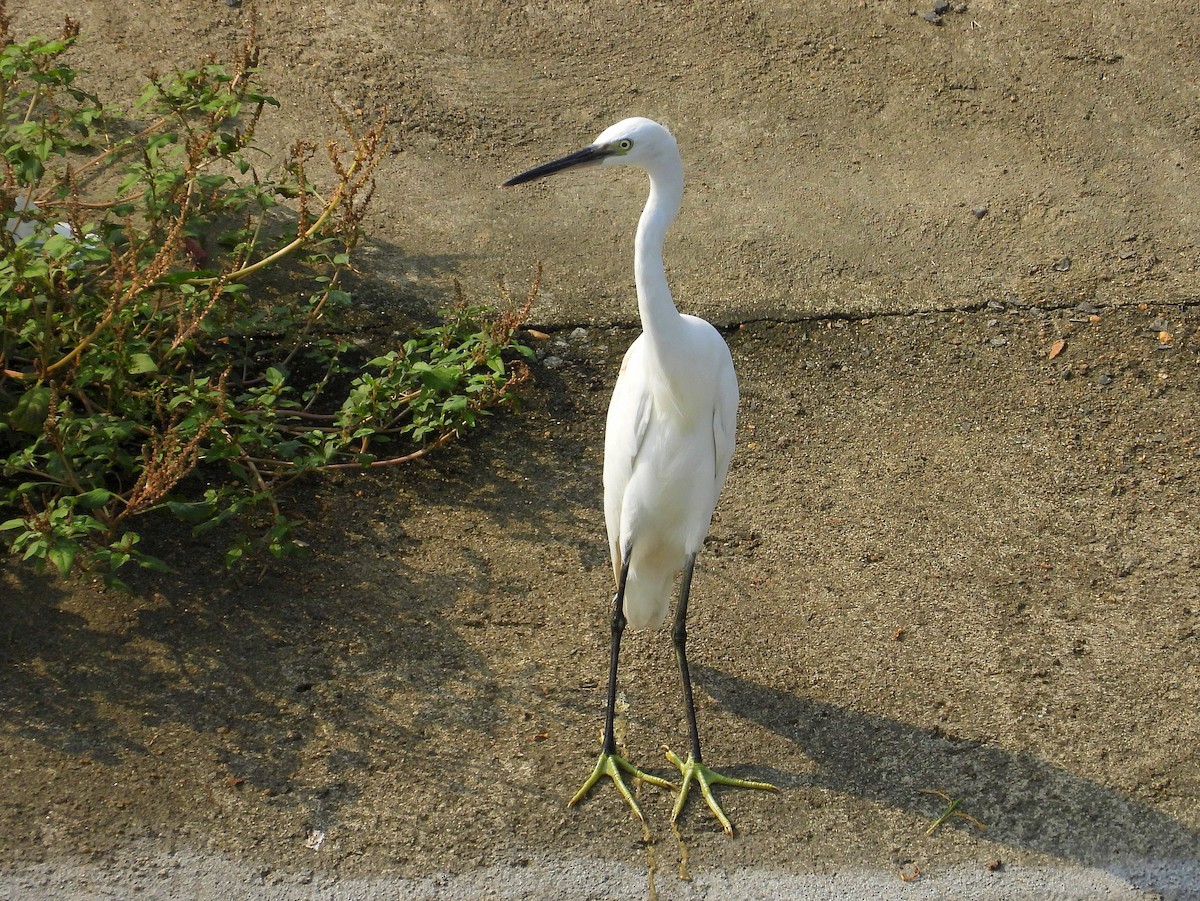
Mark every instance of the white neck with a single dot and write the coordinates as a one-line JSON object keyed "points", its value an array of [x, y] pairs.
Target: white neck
{"points": [[660, 319]]}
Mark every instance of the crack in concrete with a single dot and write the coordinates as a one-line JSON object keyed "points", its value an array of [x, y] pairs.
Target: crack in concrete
{"points": [[859, 316]]}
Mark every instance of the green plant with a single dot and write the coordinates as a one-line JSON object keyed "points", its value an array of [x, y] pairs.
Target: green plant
{"points": [[140, 343]]}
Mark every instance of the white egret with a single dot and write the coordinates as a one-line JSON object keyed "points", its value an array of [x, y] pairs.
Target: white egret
{"points": [[667, 446]]}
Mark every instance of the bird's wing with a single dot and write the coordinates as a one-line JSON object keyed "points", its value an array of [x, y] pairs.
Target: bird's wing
{"points": [[629, 415], [724, 423], [630, 408]]}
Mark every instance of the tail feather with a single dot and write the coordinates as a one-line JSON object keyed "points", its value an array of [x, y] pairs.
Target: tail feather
{"points": [[647, 597]]}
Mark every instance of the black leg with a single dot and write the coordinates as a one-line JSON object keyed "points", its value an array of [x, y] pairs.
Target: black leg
{"points": [[618, 628], [679, 635], [612, 764], [693, 770]]}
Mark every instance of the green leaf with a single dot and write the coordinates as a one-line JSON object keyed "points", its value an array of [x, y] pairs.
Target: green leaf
{"points": [[142, 363], [62, 556], [190, 513], [97, 497], [31, 410], [154, 564], [439, 378]]}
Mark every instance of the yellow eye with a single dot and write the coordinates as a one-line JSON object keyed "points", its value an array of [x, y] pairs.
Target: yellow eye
{"points": [[625, 144]]}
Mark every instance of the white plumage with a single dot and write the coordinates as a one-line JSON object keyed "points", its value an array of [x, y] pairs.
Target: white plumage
{"points": [[668, 442]]}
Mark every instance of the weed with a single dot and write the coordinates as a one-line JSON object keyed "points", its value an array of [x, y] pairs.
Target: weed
{"points": [[139, 344]]}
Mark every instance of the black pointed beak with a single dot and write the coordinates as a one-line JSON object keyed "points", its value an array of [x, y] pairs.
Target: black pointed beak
{"points": [[588, 155]]}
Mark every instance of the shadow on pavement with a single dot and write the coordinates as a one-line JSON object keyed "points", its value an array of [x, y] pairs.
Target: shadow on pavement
{"points": [[1025, 802]]}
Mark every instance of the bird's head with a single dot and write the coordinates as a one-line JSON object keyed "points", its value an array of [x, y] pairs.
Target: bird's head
{"points": [[631, 142]]}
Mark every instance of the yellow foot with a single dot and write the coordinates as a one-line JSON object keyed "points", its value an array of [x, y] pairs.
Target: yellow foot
{"points": [[698, 772], [611, 765]]}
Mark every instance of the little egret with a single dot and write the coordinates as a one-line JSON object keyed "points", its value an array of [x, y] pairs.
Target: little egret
{"points": [[667, 445]]}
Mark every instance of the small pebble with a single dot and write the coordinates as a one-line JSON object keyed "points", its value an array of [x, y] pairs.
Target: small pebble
{"points": [[941, 7], [1104, 379], [579, 334], [552, 362], [1063, 264], [999, 342], [932, 18], [995, 306], [233, 4], [979, 211], [1088, 309]]}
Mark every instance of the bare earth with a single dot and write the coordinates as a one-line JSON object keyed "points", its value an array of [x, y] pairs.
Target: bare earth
{"points": [[944, 562]]}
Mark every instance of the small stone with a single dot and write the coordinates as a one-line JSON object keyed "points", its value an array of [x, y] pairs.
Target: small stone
{"points": [[995, 306], [1127, 564], [998, 342], [1062, 265], [1088, 309], [233, 4], [941, 7], [579, 334], [979, 211], [932, 18], [553, 362], [1104, 379]]}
